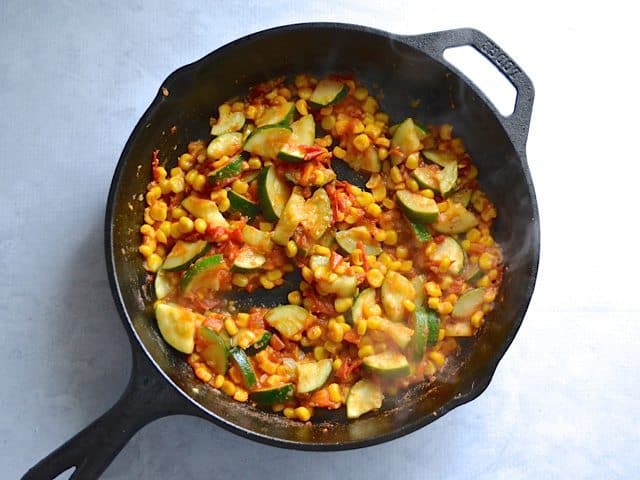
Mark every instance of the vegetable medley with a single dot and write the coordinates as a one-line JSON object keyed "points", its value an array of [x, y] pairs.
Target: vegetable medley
{"points": [[392, 271]]}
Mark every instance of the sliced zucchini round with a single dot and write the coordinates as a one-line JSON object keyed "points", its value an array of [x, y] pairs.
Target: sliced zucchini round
{"points": [[451, 249], [242, 204], [197, 276], [273, 193], [177, 326], [395, 289], [455, 219], [227, 123], [421, 232], [348, 240], [287, 319], [469, 303], [328, 92], [366, 297], [230, 170], [405, 138], [397, 331], [259, 344], [444, 159], [267, 141], [463, 197], [313, 375], [183, 254], [474, 274], [364, 396], [281, 115], [303, 134], [273, 395], [248, 261], [216, 353], [240, 359], [292, 215], [387, 364], [418, 208], [427, 178], [163, 283], [205, 209], [257, 239], [426, 331], [318, 214], [225, 144]]}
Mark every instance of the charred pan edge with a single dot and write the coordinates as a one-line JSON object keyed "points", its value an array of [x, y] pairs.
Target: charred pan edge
{"points": [[136, 343]]}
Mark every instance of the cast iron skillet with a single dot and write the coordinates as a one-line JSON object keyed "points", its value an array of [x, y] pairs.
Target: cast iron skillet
{"points": [[405, 68]]}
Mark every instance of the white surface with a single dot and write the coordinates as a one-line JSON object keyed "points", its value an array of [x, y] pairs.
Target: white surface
{"points": [[74, 79]]}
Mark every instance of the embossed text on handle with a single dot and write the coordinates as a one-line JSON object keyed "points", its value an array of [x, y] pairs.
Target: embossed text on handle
{"points": [[500, 58]]}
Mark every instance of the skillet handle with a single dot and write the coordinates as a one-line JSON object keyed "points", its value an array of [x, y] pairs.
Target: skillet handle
{"points": [[146, 398], [516, 124]]}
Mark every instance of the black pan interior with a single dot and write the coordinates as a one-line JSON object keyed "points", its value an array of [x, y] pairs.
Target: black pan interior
{"points": [[401, 74]]}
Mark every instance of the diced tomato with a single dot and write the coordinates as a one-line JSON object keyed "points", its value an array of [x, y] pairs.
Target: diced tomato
{"points": [[321, 399], [276, 342], [256, 318], [347, 369], [352, 337], [322, 305], [335, 260]]}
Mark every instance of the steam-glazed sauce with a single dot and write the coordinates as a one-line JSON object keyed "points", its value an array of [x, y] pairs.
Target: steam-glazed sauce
{"points": [[393, 271]]}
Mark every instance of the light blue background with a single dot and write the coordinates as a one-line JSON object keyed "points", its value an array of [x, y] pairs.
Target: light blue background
{"points": [[74, 79]]}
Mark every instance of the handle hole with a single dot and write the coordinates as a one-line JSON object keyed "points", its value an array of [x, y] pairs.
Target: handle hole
{"points": [[66, 475], [485, 75]]}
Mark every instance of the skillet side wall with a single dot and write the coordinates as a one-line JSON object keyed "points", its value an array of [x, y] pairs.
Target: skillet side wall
{"points": [[403, 74]]}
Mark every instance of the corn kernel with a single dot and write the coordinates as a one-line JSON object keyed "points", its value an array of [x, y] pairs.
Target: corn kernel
{"points": [[266, 226], [241, 395], [319, 353], [380, 235], [366, 351], [361, 142], [427, 192], [477, 319], [433, 302], [408, 305], [490, 296], [278, 407], [153, 195], [154, 262], [200, 225], [240, 187], [266, 283], [375, 278], [337, 363], [395, 174], [379, 193], [274, 275], [361, 326], [473, 235], [289, 412], [445, 263], [254, 163], [161, 237], [334, 393], [219, 381], [437, 358], [145, 250], [307, 274], [484, 282], [185, 225], [364, 199], [433, 289], [392, 238], [175, 230], [314, 333], [335, 332], [230, 326], [370, 105], [328, 122], [343, 304], [303, 414], [229, 388], [294, 298], [224, 205], [445, 308], [374, 210], [361, 93], [242, 320], [158, 211], [445, 131], [339, 153], [321, 250], [301, 107], [240, 280], [389, 203], [485, 262], [203, 374], [291, 249]]}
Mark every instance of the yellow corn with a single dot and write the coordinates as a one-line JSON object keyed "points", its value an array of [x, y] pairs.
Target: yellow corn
{"points": [[366, 351], [307, 274], [473, 235], [145, 250], [301, 106], [278, 407], [175, 230], [332, 347], [358, 127], [230, 326], [153, 195], [445, 131], [412, 161], [427, 192], [484, 282], [185, 225], [408, 305], [291, 249], [337, 363], [485, 262], [266, 283], [289, 412], [477, 319], [219, 381], [339, 153], [343, 304], [433, 289], [370, 105], [314, 332], [229, 388], [361, 326], [319, 353], [274, 275], [395, 174], [254, 163], [375, 278], [200, 225], [380, 235], [364, 199], [303, 414], [242, 320], [334, 393], [335, 332], [445, 308], [240, 280], [389, 203], [379, 193], [245, 338], [158, 211], [154, 262], [437, 358], [294, 298], [161, 237], [321, 250], [392, 237], [433, 302], [240, 187], [445, 263], [374, 210], [241, 395], [328, 122], [361, 142], [178, 212], [490, 296], [446, 282]]}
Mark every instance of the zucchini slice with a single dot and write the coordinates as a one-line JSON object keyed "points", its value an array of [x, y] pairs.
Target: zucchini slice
{"points": [[366, 297], [227, 123], [197, 276], [427, 177], [183, 254], [226, 144], [328, 92], [363, 397], [240, 359], [367, 161], [395, 289], [177, 326], [304, 134], [287, 319], [345, 286], [463, 197], [257, 239], [444, 159], [418, 208], [451, 249], [468, 303], [292, 215], [388, 364], [230, 170], [267, 141], [273, 193], [405, 138], [248, 261], [163, 283], [348, 240], [318, 214], [427, 329], [241, 204], [205, 209], [280, 115], [398, 332], [474, 274], [313, 375], [272, 395], [455, 219], [216, 353], [418, 284], [421, 232], [448, 176], [259, 344]]}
